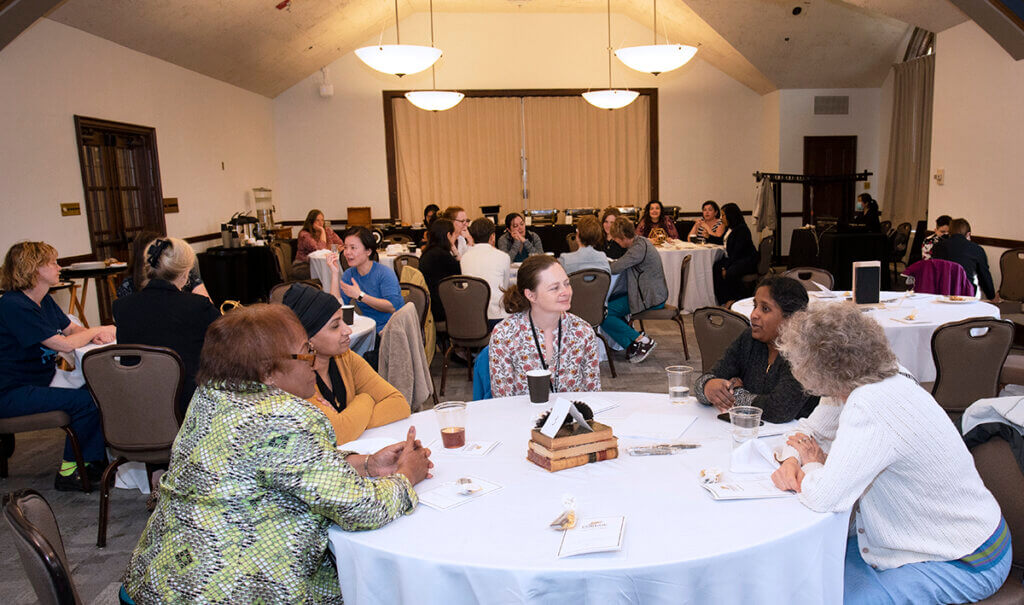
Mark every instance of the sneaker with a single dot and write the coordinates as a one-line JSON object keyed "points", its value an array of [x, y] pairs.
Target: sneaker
{"points": [[94, 470], [68, 483], [631, 349], [643, 349]]}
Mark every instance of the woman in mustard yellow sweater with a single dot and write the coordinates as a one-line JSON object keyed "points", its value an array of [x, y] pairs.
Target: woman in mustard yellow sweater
{"points": [[348, 391]]}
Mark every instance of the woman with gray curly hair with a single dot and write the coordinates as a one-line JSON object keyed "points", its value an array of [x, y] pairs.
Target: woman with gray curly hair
{"points": [[927, 529]]}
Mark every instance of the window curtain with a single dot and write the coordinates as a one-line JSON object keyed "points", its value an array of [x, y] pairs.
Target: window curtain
{"points": [[466, 156], [909, 165], [581, 156]]}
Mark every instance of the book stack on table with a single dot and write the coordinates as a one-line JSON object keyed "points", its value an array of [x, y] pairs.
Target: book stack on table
{"points": [[572, 446]]}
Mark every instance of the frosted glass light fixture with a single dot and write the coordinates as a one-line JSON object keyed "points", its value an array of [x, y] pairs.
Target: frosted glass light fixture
{"points": [[434, 99], [399, 59], [610, 98], [656, 58]]}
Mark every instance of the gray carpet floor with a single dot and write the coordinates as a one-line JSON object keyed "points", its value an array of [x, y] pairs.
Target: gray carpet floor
{"points": [[97, 571]]}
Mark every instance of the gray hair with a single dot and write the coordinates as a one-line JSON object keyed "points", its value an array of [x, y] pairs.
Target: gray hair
{"points": [[833, 348]]}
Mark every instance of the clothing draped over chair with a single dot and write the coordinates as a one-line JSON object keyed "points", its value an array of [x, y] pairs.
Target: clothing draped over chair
{"points": [[936, 276], [402, 362]]}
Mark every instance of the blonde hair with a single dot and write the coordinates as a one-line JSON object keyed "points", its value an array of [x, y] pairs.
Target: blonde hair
{"points": [[833, 348], [168, 258], [23, 260]]}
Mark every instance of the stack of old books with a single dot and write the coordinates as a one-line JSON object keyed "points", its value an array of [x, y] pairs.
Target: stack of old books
{"points": [[572, 446]]}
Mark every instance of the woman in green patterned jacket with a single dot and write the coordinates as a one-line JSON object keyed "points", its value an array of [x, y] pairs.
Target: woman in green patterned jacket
{"points": [[255, 479]]}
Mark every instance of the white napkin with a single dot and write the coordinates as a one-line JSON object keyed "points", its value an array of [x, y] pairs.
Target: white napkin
{"points": [[754, 456], [320, 253], [395, 249]]}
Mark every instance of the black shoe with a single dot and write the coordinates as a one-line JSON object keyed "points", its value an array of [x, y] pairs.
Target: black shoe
{"points": [[94, 470], [643, 349], [631, 349], [69, 483]]}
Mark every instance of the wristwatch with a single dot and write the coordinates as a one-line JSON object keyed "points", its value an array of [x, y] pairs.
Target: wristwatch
{"points": [[361, 295]]}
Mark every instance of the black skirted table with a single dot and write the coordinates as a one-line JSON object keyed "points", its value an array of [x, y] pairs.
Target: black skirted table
{"points": [[840, 250], [244, 274]]}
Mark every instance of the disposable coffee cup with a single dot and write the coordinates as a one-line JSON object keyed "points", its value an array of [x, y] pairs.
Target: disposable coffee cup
{"points": [[539, 382], [348, 314]]}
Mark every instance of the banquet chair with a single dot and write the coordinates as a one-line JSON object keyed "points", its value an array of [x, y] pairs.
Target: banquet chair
{"points": [[572, 241], [986, 343], [405, 260], [467, 298], [808, 275], [37, 538], [282, 259], [38, 422], [803, 248], [397, 238], [402, 360], [920, 232], [1013, 369], [1002, 475], [900, 241], [420, 298], [590, 289], [937, 276], [668, 312], [276, 295], [715, 329], [1011, 285], [138, 407], [764, 264], [885, 227]]}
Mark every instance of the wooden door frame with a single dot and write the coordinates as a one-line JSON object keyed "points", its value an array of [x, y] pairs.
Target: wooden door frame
{"points": [[807, 190]]}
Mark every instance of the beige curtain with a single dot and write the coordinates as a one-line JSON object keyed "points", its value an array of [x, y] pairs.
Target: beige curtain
{"points": [[579, 155], [910, 145], [467, 156]]}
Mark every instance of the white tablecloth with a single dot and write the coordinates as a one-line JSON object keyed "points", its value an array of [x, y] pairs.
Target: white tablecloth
{"points": [[680, 546], [364, 334], [700, 289], [912, 343], [388, 260], [318, 267]]}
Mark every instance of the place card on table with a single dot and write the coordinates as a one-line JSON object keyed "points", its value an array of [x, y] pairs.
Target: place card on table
{"points": [[451, 494], [661, 427], [745, 490], [472, 449], [601, 534]]}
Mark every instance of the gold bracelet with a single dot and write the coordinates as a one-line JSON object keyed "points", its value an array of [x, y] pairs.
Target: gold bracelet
{"points": [[366, 466]]}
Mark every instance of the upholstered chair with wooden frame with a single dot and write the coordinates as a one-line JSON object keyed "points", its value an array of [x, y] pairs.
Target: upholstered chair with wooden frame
{"points": [[1002, 475], [669, 312], [969, 357], [405, 260], [467, 298], [715, 329], [589, 292], [37, 538], [38, 422], [809, 275]]}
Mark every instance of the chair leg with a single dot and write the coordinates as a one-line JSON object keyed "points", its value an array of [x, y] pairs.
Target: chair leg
{"points": [[6, 451], [105, 483], [444, 368], [86, 485], [682, 332], [469, 364], [608, 352]]}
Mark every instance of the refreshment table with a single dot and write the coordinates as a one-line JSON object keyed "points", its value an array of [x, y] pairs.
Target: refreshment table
{"points": [[679, 546], [911, 340]]}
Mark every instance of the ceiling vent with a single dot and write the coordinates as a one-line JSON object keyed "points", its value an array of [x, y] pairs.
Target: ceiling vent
{"points": [[831, 106]]}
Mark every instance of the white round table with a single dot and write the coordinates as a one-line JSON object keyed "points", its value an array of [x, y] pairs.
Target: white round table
{"points": [[679, 546], [911, 340], [318, 267], [388, 260], [700, 287], [364, 334]]}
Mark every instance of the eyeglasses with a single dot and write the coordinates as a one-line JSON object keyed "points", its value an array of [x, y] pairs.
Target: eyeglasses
{"points": [[464, 220], [310, 356]]}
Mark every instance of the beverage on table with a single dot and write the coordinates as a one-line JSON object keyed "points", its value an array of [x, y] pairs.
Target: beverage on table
{"points": [[451, 419], [746, 420], [679, 378]]}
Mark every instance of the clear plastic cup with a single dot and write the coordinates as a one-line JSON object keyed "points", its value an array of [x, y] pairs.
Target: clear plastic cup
{"points": [[679, 383], [451, 419], [746, 420]]}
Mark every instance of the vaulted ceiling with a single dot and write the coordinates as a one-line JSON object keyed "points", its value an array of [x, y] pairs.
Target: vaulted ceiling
{"points": [[761, 43]]}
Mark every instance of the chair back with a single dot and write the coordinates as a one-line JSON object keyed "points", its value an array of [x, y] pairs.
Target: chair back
{"points": [[886, 227], [937, 276], [1011, 267], [900, 241], [137, 402], [420, 298], [397, 238], [467, 298], [39, 544], [276, 296], [684, 268], [282, 259], [765, 249], [920, 232], [986, 343], [572, 241], [808, 275], [803, 248], [715, 329], [589, 289], [1002, 476], [406, 260]]}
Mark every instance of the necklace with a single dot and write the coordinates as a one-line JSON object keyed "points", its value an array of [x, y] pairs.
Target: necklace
{"points": [[540, 352]]}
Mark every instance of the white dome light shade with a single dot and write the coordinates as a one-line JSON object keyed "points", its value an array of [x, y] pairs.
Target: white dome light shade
{"points": [[434, 100], [399, 59], [656, 58], [610, 99]]}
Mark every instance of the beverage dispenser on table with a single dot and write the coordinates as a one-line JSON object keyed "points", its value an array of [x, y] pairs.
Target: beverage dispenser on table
{"points": [[264, 204]]}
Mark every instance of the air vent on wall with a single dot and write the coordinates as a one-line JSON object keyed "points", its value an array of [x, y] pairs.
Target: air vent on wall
{"points": [[831, 106]]}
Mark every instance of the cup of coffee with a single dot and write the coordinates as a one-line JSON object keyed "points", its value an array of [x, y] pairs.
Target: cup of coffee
{"points": [[348, 314], [451, 419], [539, 382]]}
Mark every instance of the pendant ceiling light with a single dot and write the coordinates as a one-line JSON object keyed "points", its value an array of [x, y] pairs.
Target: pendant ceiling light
{"points": [[434, 99], [610, 98], [656, 58], [399, 59]]}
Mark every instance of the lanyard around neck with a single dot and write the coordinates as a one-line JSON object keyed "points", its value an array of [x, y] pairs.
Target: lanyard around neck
{"points": [[540, 352]]}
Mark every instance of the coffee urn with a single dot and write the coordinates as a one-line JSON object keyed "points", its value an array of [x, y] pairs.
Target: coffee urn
{"points": [[264, 204]]}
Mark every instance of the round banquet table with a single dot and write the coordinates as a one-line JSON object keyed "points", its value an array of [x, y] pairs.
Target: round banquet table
{"points": [[364, 334], [911, 342], [679, 545], [700, 287]]}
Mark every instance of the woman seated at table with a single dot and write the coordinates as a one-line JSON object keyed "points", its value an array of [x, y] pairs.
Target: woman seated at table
{"points": [[866, 212], [463, 240], [372, 287], [517, 242], [136, 279], [740, 257], [645, 289], [751, 372], [610, 248], [429, 216], [348, 391], [33, 330], [162, 314], [709, 228], [313, 236], [541, 334], [589, 256], [256, 479], [655, 218], [438, 261], [927, 529]]}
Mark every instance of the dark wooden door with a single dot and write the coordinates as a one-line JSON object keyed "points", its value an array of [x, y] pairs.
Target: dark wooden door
{"points": [[121, 180], [829, 156]]}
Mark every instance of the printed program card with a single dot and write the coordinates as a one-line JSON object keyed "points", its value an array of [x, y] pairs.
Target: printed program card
{"points": [[601, 534], [451, 494]]}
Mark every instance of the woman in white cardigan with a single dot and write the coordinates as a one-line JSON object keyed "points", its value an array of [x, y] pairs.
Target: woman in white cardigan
{"points": [[925, 529]]}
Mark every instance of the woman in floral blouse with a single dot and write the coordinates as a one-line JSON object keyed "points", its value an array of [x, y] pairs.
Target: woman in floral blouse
{"points": [[255, 479], [542, 334]]}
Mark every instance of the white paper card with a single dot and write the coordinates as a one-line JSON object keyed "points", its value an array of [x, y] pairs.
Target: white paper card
{"points": [[663, 427], [451, 494], [555, 419], [770, 429], [593, 535], [753, 456], [745, 490], [472, 449]]}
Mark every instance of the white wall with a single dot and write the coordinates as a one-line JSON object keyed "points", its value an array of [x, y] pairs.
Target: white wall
{"points": [[331, 153], [977, 130]]}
